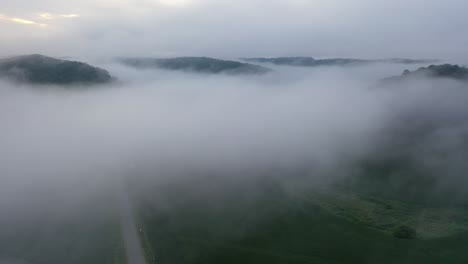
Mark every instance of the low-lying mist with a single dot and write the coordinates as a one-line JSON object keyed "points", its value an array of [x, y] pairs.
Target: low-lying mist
{"points": [[61, 146]]}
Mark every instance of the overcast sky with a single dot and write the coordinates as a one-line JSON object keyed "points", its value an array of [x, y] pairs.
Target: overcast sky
{"points": [[235, 28]]}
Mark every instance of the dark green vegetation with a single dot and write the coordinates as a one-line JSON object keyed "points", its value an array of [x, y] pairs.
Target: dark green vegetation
{"points": [[261, 221], [447, 71], [38, 69], [311, 62], [404, 232], [196, 64]]}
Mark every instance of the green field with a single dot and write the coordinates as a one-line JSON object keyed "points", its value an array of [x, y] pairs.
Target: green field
{"points": [[239, 224]]}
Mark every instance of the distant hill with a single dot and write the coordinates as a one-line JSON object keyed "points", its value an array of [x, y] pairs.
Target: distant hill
{"points": [[39, 69], [433, 71], [195, 64], [311, 62], [405, 61]]}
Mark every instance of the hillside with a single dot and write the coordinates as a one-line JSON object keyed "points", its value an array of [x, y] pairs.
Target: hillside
{"points": [[312, 62], [195, 64], [447, 71], [39, 69]]}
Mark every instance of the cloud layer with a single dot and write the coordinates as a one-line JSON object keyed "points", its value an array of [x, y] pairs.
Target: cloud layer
{"points": [[158, 124]]}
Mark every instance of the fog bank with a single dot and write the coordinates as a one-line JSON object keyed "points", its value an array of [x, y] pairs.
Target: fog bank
{"points": [[67, 144]]}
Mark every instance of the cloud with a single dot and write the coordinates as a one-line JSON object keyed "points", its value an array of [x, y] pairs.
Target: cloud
{"points": [[176, 3], [46, 16], [156, 123], [69, 15], [49, 16], [22, 21], [319, 28], [164, 122]]}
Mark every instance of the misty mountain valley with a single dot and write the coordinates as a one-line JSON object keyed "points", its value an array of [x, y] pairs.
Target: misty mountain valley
{"points": [[157, 132]]}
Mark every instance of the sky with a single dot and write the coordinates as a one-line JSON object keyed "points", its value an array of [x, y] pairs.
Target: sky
{"points": [[236, 28]]}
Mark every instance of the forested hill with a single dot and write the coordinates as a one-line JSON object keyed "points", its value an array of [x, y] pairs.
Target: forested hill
{"points": [[39, 69], [447, 71], [312, 62], [195, 64]]}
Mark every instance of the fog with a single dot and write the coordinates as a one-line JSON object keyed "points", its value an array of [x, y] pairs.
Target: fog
{"points": [[173, 120], [63, 144], [70, 153]]}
